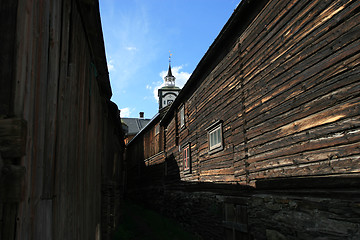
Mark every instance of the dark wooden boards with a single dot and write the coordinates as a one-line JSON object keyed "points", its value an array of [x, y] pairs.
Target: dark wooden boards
{"points": [[57, 123], [287, 91]]}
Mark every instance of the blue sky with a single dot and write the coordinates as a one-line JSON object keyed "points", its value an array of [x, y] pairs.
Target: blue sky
{"points": [[138, 36]]}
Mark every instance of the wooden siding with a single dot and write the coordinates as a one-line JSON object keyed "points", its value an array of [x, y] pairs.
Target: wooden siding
{"points": [[74, 146], [153, 142], [145, 158], [301, 101], [287, 94]]}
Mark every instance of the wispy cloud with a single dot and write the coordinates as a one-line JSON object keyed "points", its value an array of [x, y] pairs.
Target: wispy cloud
{"points": [[125, 112], [131, 48], [181, 79], [111, 65], [130, 36]]}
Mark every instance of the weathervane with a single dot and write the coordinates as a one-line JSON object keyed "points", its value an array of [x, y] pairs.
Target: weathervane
{"points": [[170, 57]]}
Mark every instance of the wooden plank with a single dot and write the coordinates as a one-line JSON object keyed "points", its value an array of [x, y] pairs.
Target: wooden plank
{"points": [[306, 52], [12, 137], [327, 116], [302, 112], [8, 226], [7, 56], [221, 171], [282, 24], [294, 49], [217, 178], [310, 182], [314, 68], [348, 165], [306, 103], [305, 157], [324, 133], [11, 183]]}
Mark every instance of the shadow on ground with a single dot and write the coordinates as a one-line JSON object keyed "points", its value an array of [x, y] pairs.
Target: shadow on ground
{"points": [[140, 223]]}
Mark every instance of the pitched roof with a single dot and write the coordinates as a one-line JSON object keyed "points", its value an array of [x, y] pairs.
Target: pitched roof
{"points": [[151, 123], [135, 124]]}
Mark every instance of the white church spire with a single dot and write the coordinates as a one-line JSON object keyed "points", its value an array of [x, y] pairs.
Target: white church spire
{"points": [[169, 78], [169, 92]]}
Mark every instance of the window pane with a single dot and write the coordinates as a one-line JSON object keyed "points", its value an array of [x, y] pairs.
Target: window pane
{"points": [[182, 117], [186, 158], [215, 138], [216, 133]]}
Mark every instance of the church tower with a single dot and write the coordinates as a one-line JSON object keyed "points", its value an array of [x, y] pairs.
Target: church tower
{"points": [[169, 92]]}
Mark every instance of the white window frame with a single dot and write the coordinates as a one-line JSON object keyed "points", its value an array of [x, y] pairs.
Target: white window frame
{"points": [[182, 116], [215, 134], [157, 129]]}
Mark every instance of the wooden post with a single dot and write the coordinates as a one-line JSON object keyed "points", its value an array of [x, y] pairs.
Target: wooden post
{"points": [[12, 147]]}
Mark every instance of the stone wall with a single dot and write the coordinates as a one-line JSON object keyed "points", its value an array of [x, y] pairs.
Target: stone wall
{"points": [[212, 213]]}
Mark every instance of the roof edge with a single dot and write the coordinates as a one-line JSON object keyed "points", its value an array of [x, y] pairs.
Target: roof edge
{"points": [[144, 128], [243, 15], [90, 16], [157, 116]]}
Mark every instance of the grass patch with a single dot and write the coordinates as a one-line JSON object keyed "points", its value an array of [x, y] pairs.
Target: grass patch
{"points": [[140, 223]]}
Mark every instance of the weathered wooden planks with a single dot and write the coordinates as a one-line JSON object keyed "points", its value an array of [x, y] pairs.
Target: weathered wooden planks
{"points": [[72, 146], [287, 95], [288, 88]]}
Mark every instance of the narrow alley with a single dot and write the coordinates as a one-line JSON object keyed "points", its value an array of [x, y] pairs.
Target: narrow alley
{"points": [[261, 142]]}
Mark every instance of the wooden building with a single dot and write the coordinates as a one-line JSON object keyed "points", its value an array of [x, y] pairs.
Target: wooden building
{"points": [[146, 149], [133, 126], [61, 141], [264, 136]]}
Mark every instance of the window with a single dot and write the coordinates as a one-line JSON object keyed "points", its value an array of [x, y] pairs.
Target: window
{"points": [[182, 116], [215, 137], [157, 129], [186, 158]]}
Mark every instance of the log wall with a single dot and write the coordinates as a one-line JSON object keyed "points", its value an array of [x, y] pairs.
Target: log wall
{"points": [[145, 157], [305, 121], [287, 94], [73, 146], [283, 79], [153, 141]]}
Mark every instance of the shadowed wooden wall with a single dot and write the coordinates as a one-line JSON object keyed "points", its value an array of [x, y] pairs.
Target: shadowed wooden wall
{"points": [[68, 140]]}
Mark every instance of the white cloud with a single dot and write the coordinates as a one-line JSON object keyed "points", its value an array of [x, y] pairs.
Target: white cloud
{"points": [[111, 65], [181, 79], [125, 112], [148, 87], [131, 48]]}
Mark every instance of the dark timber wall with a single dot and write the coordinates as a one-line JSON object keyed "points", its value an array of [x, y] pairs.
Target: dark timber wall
{"points": [[61, 140], [145, 155], [287, 94], [283, 79]]}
